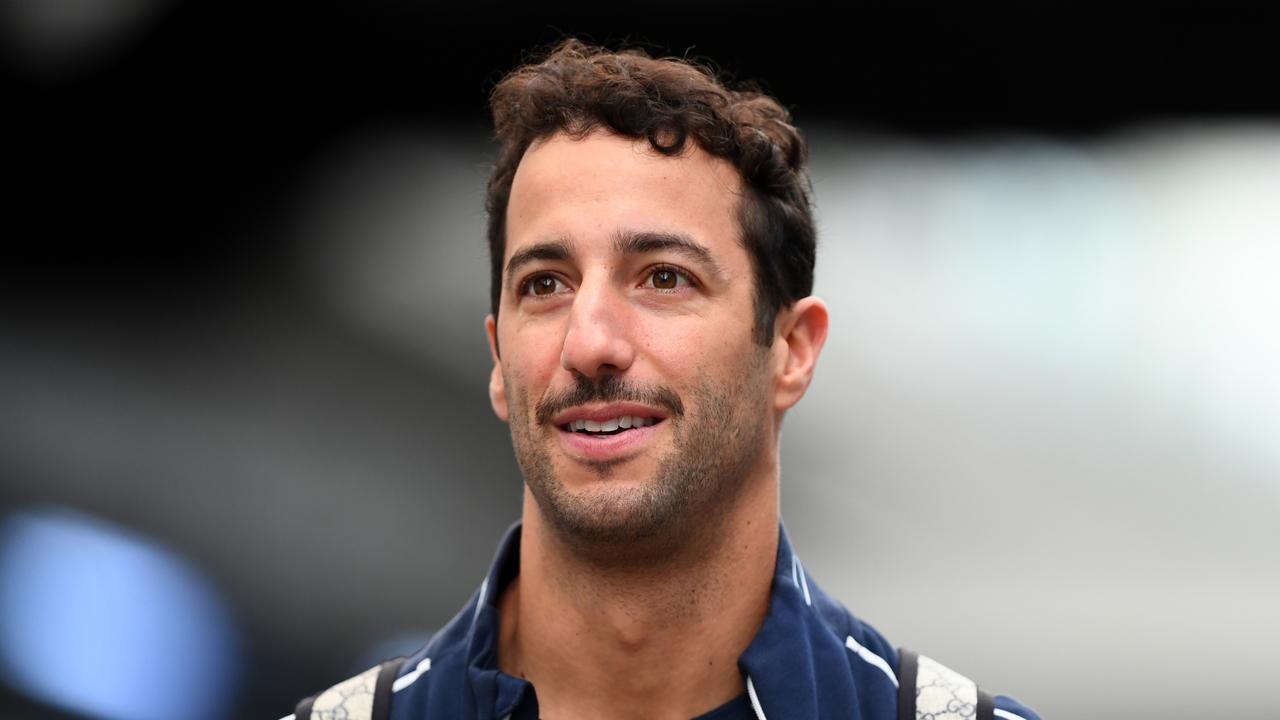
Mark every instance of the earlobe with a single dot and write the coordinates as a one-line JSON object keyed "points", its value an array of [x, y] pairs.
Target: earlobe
{"points": [[802, 330], [497, 388]]}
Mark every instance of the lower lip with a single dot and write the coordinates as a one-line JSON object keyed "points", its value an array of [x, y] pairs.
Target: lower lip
{"points": [[606, 447]]}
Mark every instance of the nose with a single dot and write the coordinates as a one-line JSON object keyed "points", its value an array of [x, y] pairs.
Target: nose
{"points": [[597, 341]]}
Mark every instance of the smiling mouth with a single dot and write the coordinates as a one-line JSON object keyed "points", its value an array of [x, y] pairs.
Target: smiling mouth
{"points": [[612, 426]]}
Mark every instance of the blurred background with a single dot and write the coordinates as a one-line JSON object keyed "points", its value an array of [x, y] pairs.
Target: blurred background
{"points": [[245, 443]]}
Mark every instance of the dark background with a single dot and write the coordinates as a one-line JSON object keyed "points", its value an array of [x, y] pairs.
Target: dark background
{"points": [[216, 109]]}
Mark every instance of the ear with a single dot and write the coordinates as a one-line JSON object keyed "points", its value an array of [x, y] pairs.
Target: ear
{"points": [[799, 333], [497, 389]]}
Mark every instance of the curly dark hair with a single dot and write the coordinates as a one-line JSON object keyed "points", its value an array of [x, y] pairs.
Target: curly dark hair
{"points": [[575, 88]]}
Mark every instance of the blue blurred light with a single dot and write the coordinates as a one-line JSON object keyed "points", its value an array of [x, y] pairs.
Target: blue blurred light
{"points": [[96, 620]]}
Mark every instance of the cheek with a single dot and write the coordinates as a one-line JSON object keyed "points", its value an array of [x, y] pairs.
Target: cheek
{"points": [[528, 367], [693, 349]]}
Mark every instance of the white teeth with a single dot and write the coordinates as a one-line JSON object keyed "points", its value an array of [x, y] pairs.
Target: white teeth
{"points": [[624, 422]]}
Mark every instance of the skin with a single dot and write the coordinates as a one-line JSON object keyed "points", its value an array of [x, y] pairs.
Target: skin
{"points": [[644, 573]]}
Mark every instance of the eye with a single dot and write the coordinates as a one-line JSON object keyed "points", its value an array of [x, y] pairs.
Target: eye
{"points": [[542, 286], [667, 278]]}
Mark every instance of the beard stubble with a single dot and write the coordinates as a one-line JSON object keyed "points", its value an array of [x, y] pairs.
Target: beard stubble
{"points": [[620, 519]]}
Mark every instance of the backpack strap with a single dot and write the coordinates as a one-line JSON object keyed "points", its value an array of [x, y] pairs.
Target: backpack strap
{"points": [[929, 690], [366, 696]]}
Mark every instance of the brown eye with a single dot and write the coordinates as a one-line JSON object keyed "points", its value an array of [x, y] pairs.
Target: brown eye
{"points": [[665, 279], [543, 285]]}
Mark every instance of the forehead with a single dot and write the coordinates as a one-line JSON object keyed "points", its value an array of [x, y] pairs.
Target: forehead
{"points": [[590, 188]]}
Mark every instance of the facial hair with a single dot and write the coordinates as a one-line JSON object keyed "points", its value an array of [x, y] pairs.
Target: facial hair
{"points": [[715, 444]]}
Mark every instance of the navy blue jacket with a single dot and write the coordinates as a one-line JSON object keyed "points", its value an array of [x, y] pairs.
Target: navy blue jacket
{"points": [[810, 659]]}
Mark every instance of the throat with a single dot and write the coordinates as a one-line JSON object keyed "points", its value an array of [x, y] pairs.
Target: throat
{"points": [[615, 652], [658, 638]]}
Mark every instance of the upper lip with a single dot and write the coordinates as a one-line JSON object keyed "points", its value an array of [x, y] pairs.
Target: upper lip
{"points": [[600, 413]]}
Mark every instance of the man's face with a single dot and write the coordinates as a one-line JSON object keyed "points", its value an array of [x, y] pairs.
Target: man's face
{"points": [[639, 402]]}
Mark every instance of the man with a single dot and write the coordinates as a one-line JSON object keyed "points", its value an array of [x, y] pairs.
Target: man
{"points": [[652, 250]]}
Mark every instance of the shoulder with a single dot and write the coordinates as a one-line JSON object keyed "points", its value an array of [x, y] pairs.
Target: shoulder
{"points": [[435, 676], [919, 679], [1009, 709], [390, 689], [385, 691], [367, 695], [930, 689]]}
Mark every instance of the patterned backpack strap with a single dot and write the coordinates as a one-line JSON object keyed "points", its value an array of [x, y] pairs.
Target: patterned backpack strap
{"points": [[366, 696], [928, 690]]}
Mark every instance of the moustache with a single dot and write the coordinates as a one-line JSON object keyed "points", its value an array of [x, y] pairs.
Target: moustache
{"points": [[609, 388]]}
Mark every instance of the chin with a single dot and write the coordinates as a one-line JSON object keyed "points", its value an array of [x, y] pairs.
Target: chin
{"points": [[611, 514], [628, 472]]}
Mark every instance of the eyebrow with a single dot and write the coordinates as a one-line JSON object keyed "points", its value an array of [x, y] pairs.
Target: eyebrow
{"points": [[625, 242], [645, 242], [552, 250]]}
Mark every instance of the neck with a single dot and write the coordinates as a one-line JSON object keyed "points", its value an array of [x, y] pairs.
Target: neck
{"points": [[656, 639]]}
